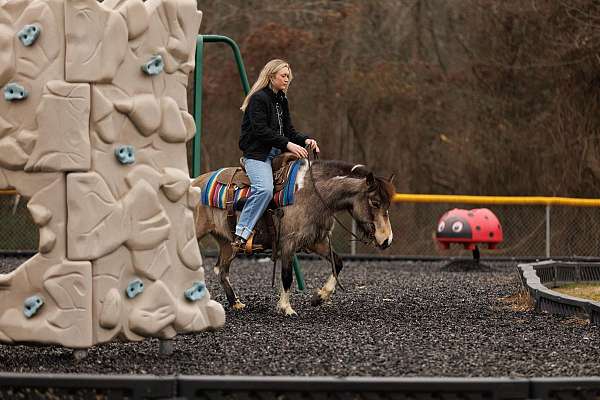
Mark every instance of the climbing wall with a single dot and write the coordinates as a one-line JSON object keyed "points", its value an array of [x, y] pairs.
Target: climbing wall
{"points": [[93, 130]]}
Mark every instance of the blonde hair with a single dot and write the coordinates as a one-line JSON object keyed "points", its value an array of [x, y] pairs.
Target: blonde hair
{"points": [[264, 78]]}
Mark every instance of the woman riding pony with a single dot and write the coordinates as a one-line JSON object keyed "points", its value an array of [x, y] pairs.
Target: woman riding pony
{"points": [[267, 130]]}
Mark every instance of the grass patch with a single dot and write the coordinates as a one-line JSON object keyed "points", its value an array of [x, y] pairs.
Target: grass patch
{"points": [[520, 301], [590, 291], [575, 320]]}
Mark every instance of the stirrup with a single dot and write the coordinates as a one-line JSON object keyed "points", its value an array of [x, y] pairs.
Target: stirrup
{"points": [[238, 244], [248, 246]]}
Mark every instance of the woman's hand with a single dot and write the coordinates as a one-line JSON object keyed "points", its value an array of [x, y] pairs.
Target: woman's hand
{"points": [[297, 150], [312, 144]]}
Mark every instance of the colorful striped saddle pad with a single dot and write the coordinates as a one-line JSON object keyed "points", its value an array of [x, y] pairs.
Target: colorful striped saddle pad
{"points": [[214, 193]]}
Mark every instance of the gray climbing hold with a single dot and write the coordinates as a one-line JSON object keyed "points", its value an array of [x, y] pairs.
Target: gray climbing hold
{"points": [[155, 66], [134, 288], [29, 34], [14, 91], [32, 305], [125, 154], [196, 292]]}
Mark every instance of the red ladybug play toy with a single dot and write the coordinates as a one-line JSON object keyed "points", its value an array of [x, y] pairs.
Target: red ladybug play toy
{"points": [[469, 228]]}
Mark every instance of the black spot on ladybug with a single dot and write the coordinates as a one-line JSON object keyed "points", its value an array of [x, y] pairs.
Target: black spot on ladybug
{"points": [[491, 234], [478, 227], [471, 214], [486, 217]]}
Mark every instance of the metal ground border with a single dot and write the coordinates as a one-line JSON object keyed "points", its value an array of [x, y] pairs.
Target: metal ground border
{"points": [[217, 387], [556, 273]]}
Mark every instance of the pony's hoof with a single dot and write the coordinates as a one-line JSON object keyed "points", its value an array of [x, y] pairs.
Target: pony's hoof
{"points": [[290, 313], [238, 306], [287, 311], [316, 299]]}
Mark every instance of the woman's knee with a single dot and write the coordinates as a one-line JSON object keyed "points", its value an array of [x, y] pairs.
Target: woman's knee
{"points": [[263, 191]]}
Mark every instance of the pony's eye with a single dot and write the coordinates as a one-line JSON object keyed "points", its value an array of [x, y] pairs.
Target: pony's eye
{"points": [[441, 226], [457, 226]]}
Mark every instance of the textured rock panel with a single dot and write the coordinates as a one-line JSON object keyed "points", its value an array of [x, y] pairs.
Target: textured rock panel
{"points": [[96, 41], [95, 137], [29, 67], [65, 317], [63, 138]]}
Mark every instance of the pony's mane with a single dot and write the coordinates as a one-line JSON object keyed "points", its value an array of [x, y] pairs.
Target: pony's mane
{"points": [[333, 168], [341, 168]]}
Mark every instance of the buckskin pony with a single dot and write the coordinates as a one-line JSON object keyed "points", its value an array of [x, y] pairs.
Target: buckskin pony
{"points": [[320, 190]]}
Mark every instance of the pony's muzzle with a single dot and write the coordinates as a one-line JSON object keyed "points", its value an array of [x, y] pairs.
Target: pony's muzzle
{"points": [[386, 243]]}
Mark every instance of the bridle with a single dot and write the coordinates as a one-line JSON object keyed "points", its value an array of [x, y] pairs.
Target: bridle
{"points": [[340, 223], [362, 224], [371, 234]]}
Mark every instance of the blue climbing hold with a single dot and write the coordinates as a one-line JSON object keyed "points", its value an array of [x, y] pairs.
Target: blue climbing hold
{"points": [[134, 288], [32, 305], [29, 34], [14, 91], [155, 66], [196, 292], [125, 154]]}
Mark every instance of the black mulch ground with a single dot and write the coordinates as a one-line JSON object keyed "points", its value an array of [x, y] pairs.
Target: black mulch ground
{"points": [[395, 319]]}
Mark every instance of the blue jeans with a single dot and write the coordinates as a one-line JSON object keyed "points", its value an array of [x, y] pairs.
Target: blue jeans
{"points": [[261, 193]]}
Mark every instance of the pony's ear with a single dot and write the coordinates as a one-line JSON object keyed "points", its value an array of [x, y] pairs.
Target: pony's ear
{"points": [[359, 170], [370, 181], [391, 178]]}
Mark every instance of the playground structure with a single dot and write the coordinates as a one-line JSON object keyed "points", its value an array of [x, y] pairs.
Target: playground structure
{"points": [[94, 127], [469, 228]]}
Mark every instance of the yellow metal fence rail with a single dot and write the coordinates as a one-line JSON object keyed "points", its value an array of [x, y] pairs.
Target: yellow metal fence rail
{"points": [[505, 200], [533, 226]]}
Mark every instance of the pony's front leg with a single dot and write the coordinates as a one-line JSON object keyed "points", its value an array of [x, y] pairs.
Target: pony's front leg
{"points": [[287, 279], [324, 294]]}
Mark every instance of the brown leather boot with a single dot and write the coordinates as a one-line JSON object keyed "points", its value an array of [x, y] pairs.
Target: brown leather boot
{"points": [[239, 244]]}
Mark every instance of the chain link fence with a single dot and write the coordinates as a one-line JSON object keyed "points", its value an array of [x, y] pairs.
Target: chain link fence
{"points": [[529, 231], [17, 232]]}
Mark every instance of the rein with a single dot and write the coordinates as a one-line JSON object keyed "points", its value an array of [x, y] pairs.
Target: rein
{"points": [[331, 258], [362, 240]]}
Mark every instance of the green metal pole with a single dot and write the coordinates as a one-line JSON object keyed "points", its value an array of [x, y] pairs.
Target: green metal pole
{"points": [[236, 54], [201, 39], [298, 273], [196, 155]]}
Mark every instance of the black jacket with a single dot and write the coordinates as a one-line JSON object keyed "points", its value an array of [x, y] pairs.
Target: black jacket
{"points": [[262, 129]]}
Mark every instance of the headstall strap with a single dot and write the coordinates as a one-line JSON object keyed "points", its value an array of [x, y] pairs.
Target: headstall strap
{"points": [[316, 157]]}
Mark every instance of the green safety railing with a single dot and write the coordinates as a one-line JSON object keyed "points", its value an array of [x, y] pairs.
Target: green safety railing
{"points": [[198, 74]]}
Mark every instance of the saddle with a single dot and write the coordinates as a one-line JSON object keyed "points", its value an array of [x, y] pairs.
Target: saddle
{"points": [[229, 188], [280, 166]]}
